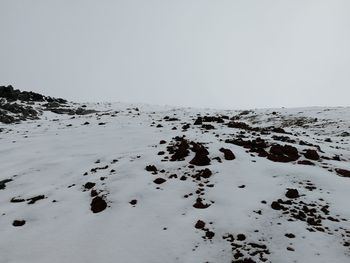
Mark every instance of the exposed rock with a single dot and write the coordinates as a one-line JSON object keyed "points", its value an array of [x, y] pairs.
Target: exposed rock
{"points": [[89, 185], [151, 168], [292, 193], [311, 154], [98, 204], [159, 180], [34, 199], [200, 224], [305, 162], [199, 204], [3, 183], [343, 172], [17, 223], [198, 121], [284, 153], [228, 154], [201, 157]]}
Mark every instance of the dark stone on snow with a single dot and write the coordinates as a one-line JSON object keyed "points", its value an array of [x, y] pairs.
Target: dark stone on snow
{"points": [[343, 172], [200, 224], [34, 199], [159, 180], [311, 154], [286, 153], [17, 223], [228, 154], [241, 237], [98, 204], [292, 193], [3, 183], [276, 205], [198, 121], [151, 168], [201, 157], [133, 202], [305, 162], [199, 204], [89, 185]]}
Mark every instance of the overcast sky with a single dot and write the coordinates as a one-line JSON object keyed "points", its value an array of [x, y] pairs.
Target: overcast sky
{"points": [[201, 53]]}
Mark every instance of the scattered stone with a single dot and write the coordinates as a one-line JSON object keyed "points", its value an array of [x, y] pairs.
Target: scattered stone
{"points": [[228, 154], [312, 155], [241, 237], [283, 154], [200, 224], [151, 168], [98, 204], [305, 162], [209, 234], [3, 183], [201, 157], [198, 121], [35, 199], [290, 235], [17, 200], [276, 205], [343, 172], [17, 223], [133, 202], [199, 204], [159, 180], [89, 185], [292, 193]]}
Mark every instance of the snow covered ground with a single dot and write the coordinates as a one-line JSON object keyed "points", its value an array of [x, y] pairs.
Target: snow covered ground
{"points": [[118, 186]]}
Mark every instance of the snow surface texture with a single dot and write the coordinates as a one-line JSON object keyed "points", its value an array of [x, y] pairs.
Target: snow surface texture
{"points": [[104, 187]]}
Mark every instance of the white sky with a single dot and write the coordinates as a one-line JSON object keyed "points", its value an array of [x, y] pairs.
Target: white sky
{"points": [[223, 54]]}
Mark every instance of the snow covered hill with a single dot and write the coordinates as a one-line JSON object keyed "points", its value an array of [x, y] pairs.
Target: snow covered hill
{"points": [[156, 184]]}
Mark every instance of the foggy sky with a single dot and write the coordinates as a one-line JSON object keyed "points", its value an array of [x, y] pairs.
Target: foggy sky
{"points": [[201, 53]]}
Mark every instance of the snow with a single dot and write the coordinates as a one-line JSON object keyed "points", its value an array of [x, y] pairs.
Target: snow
{"points": [[47, 157]]}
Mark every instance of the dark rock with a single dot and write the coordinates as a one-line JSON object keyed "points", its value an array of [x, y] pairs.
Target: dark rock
{"points": [[17, 200], [151, 168], [133, 202], [305, 162], [292, 193], [290, 235], [159, 180], [343, 172], [89, 185], [198, 121], [98, 204], [18, 223], [276, 206], [241, 237], [209, 234], [311, 154], [228, 154], [3, 183], [208, 127], [200, 224], [199, 204], [93, 193], [35, 199], [179, 151], [284, 153], [201, 157], [206, 173]]}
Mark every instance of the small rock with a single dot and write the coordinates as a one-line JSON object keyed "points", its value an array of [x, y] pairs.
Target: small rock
{"points": [[292, 193], [159, 180], [98, 204], [18, 222]]}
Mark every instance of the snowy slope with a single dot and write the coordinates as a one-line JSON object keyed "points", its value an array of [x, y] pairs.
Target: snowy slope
{"points": [[238, 216]]}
